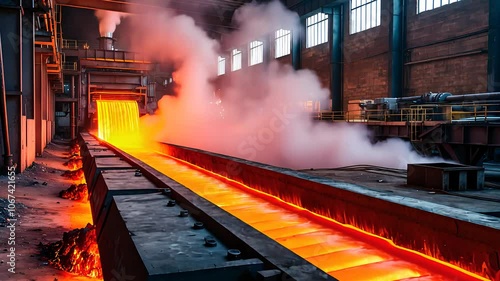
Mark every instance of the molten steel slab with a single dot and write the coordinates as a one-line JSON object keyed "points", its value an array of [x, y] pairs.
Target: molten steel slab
{"points": [[236, 233], [377, 257], [464, 238], [329, 248]]}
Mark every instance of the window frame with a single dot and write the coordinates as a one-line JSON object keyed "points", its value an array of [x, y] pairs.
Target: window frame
{"points": [[256, 52], [361, 16], [236, 53], [282, 43], [433, 4], [319, 27], [221, 65]]}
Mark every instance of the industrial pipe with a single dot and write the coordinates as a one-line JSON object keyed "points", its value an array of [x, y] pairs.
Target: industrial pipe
{"points": [[8, 159], [296, 48], [447, 97], [337, 68], [73, 109], [493, 50], [397, 46], [474, 97]]}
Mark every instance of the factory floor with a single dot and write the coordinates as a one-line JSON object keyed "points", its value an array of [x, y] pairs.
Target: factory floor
{"points": [[42, 216]]}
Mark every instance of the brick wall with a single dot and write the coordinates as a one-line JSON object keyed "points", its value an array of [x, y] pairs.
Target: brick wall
{"points": [[447, 51], [285, 59], [447, 48], [317, 59], [366, 59]]}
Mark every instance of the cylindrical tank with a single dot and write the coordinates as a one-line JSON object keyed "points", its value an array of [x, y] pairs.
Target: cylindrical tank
{"points": [[106, 43]]}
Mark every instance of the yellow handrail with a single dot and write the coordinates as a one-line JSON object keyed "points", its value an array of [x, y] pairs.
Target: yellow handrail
{"points": [[478, 112]]}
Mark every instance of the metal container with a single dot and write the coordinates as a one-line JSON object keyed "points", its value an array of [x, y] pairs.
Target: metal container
{"points": [[446, 176]]}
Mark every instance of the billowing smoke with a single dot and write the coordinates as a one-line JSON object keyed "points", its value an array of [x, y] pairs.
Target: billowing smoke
{"points": [[261, 116], [254, 21], [108, 20]]}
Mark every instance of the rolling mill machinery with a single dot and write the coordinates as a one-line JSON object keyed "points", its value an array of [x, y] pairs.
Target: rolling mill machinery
{"points": [[105, 72], [464, 128]]}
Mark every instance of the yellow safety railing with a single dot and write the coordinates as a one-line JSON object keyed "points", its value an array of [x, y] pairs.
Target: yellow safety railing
{"points": [[417, 115], [70, 44]]}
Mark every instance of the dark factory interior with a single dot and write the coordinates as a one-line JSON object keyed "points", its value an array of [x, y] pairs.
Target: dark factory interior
{"points": [[250, 140]]}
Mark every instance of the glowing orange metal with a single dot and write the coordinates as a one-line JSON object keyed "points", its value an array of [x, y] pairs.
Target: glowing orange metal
{"points": [[341, 250], [118, 122]]}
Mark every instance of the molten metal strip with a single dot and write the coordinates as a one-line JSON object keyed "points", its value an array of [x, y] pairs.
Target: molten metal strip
{"points": [[341, 250]]}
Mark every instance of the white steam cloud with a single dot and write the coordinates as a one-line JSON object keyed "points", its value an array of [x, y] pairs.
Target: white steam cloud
{"points": [[108, 20], [261, 117], [254, 20]]}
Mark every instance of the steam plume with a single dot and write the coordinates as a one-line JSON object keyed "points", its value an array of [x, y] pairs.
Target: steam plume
{"points": [[108, 20], [261, 117]]}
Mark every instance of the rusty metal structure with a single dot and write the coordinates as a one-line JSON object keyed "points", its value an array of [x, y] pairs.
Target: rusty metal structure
{"points": [[51, 80]]}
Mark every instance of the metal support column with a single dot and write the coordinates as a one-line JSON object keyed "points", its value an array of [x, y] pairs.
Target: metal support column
{"points": [[73, 109], [28, 59], [397, 47], [28, 133], [267, 56], [336, 85], [494, 47], [11, 29], [8, 162], [296, 48]]}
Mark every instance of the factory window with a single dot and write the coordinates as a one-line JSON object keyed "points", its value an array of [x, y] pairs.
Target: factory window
{"points": [[221, 69], [365, 14], [256, 52], [426, 5], [236, 60], [283, 43], [316, 30]]}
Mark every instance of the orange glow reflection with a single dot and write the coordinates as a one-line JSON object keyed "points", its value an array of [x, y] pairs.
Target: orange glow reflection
{"points": [[332, 249], [342, 251]]}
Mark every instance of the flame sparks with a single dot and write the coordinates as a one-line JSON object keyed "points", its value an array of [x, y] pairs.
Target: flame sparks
{"points": [[76, 175], [77, 192], [76, 253], [74, 163], [74, 148]]}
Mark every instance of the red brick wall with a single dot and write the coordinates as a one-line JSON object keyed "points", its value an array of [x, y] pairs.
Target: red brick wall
{"points": [[285, 59], [366, 59], [452, 30], [458, 30], [317, 58]]}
